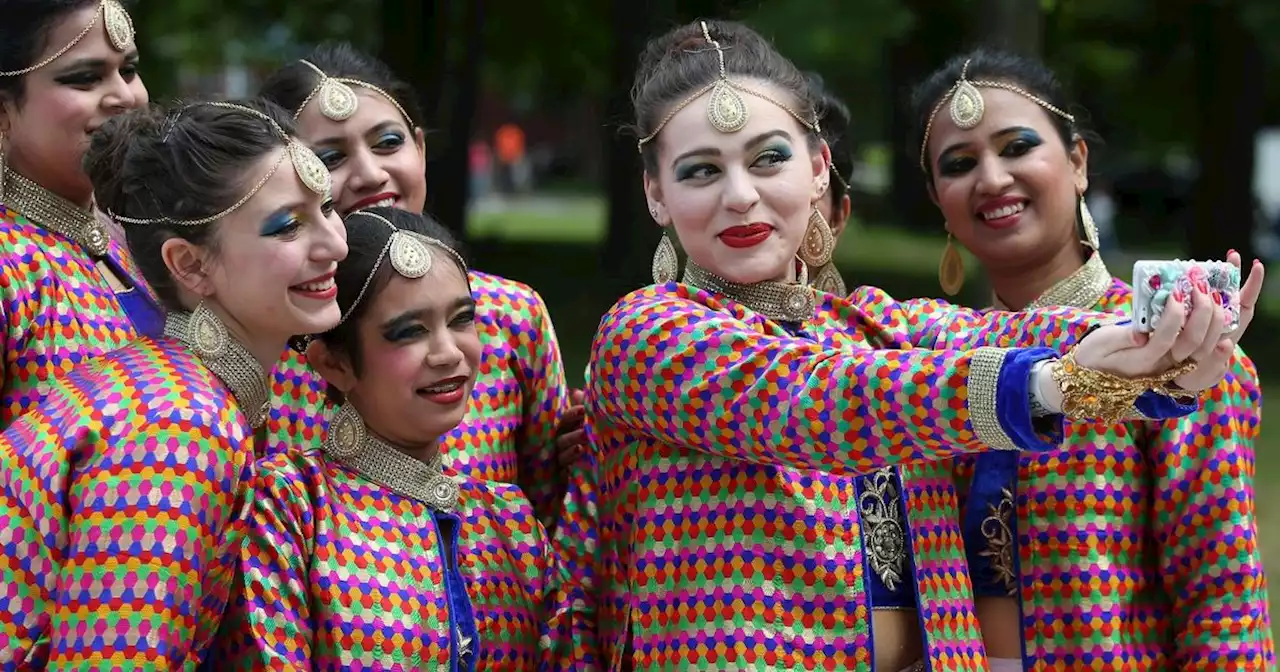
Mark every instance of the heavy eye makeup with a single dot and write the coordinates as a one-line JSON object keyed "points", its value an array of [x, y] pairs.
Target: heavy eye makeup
{"points": [[767, 160], [385, 138], [88, 73], [1010, 144], [282, 223], [411, 325]]}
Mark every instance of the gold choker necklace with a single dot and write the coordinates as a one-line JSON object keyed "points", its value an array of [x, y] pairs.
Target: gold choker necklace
{"points": [[55, 213], [226, 358], [349, 442], [778, 301]]}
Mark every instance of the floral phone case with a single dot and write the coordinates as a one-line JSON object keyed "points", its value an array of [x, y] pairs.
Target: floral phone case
{"points": [[1156, 282]]}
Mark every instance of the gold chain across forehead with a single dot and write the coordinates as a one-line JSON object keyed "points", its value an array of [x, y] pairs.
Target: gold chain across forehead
{"points": [[115, 20], [336, 99], [967, 106], [310, 169], [726, 110]]}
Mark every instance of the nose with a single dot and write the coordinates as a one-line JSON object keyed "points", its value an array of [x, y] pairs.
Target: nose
{"points": [[366, 172], [120, 95], [444, 352], [740, 192], [331, 243], [993, 178]]}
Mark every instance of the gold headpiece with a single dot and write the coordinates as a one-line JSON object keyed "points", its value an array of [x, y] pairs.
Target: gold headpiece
{"points": [[336, 99], [409, 252], [311, 171], [726, 110], [967, 105], [116, 21]]}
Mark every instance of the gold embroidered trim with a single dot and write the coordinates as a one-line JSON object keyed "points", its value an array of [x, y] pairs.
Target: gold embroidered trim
{"points": [[380, 462], [997, 528], [886, 532], [984, 377], [1082, 289]]}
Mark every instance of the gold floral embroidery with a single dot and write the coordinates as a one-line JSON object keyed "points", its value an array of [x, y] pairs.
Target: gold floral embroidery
{"points": [[885, 533], [998, 531]]}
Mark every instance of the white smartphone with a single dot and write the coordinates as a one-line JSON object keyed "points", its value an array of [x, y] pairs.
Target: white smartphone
{"points": [[1155, 282]]}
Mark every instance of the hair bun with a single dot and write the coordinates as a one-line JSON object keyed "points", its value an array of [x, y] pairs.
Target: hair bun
{"points": [[109, 159]]}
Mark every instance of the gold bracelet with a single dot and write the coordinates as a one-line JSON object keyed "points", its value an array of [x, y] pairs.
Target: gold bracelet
{"points": [[1088, 394]]}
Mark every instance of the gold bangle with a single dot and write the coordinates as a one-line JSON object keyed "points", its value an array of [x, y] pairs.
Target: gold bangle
{"points": [[1088, 394]]}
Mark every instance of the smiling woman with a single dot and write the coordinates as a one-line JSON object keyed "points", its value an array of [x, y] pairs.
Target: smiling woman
{"points": [[71, 292]]}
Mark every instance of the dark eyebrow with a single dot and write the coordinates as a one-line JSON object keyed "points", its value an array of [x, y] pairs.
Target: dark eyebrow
{"points": [[417, 314], [1000, 133], [752, 142], [95, 63], [337, 140]]}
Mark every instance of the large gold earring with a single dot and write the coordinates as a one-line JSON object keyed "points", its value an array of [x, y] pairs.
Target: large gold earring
{"points": [[1090, 227], [819, 243], [665, 262], [951, 269], [346, 434], [828, 279], [207, 334]]}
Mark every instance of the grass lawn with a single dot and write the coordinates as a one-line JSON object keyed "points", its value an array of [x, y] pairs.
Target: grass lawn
{"points": [[517, 241]]}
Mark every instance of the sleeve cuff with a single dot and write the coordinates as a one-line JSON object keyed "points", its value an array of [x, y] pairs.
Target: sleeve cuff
{"points": [[1000, 400], [1156, 406]]}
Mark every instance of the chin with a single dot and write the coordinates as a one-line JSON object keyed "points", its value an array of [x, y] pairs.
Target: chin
{"points": [[317, 321], [749, 269]]}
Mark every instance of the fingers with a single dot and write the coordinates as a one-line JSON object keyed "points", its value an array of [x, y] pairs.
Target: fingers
{"points": [[1249, 294], [576, 397], [1198, 325], [1211, 370], [568, 456], [1164, 336]]}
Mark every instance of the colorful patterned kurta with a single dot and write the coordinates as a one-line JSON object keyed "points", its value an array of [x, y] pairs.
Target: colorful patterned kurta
{"points": [[509, 431], [723, 544], [342, 572], [123, 500], [56, 310], [1137, 547]]}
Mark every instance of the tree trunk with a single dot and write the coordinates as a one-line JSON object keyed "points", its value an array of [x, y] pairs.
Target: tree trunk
{"points": [[1228, 70]]}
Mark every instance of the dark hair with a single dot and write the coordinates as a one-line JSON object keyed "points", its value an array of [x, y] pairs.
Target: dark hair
{"points": [[835, 130], [681, 61], [187, 164], [289, 86], [24, 35], [990, 64], [366, 238]]}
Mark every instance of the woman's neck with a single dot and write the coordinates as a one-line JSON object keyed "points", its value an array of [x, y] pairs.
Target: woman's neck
{"points": [[77, 194], [1018, 286]]}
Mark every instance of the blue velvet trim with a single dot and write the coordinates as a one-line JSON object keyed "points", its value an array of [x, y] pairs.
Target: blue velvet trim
{"points": [[881, 595], [993, 472], [146, 316], [1160, 407], [462, 617], [1013, 402]]}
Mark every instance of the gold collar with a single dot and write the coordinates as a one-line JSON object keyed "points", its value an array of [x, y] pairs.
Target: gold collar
{"points": [[350, 443], [237, 368], [55, 213], [778, 301], [1082, 289]]}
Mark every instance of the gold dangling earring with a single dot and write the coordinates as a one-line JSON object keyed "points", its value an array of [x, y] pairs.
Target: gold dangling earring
{"points": [[819, 243], [346, 434], [828, 279], [207, 334], [951, 269], [666, 265], [1090, 227]]}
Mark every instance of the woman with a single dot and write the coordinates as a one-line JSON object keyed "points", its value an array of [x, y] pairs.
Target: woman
{"points": [[836, 205], [364, 124], [122, 494], [1162, 564], [346, 523], [71, 292], [730, 410]]}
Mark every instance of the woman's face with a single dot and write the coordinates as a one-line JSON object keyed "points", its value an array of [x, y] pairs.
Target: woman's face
{"points": [[1008, 187], [65, 101], [420, 353], [375, 158], [272, 272], [739, 202]]}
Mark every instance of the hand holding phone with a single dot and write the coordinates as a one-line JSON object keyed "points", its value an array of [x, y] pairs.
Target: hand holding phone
{"points": [[1156, 282]]}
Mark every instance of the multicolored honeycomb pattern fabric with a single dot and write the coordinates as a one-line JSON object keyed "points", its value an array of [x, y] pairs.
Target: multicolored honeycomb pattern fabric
{"points": [[122, 502], [1137, 546], [340, 572], [508, 434], [56, 310], [729, 534]]}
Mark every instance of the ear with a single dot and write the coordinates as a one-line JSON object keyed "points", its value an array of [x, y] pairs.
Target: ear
{"points": [[420, 141], [188, 264], [332, 365], [653, 196], [1079, 157], [840, 216], [821, 166]]}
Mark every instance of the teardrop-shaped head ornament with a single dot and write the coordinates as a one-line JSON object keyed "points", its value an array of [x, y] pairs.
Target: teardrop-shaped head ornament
{"points": [[967, 105], [311, 170], [726, 109], [118, 25], [410, 256], [337, 101]]}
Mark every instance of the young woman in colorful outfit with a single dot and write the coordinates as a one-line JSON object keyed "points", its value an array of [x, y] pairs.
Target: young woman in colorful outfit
{"points": [[1136, 547], [123, 494], [731, 411]]}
